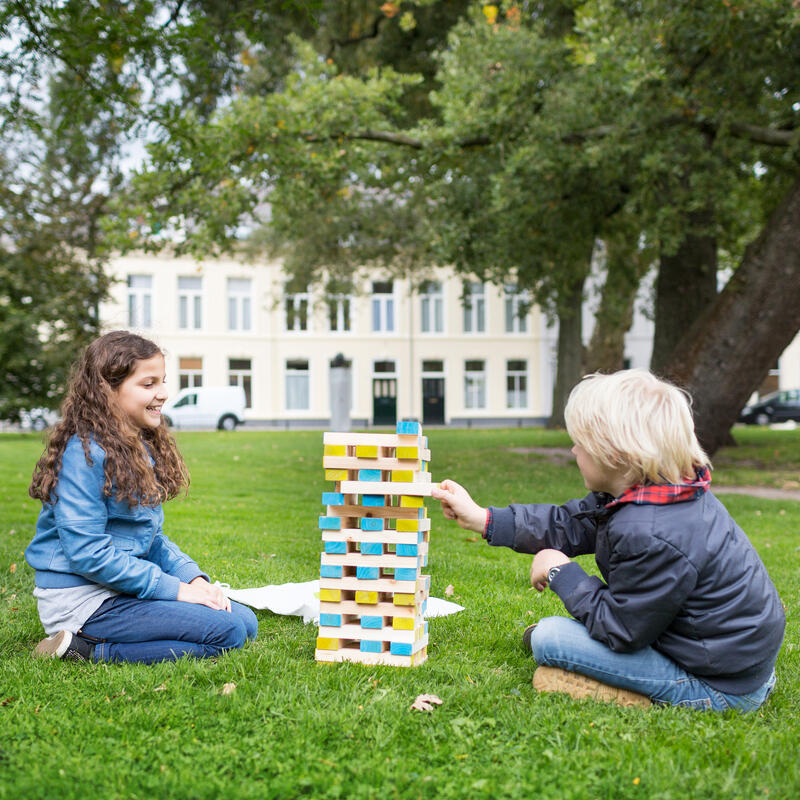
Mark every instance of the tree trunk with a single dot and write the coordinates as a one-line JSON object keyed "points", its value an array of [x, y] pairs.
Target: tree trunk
{"points": [[726, 353], [624, 272], [570, 351], [686, 285]]}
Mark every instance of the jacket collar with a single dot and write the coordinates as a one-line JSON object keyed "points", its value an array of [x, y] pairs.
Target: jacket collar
{"points": [[665, 493]]}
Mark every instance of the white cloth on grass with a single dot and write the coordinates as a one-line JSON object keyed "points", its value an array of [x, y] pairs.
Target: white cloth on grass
{"points": [[302, 600]]}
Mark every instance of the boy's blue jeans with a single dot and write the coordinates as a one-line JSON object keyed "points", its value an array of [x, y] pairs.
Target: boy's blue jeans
{"points": [[145, 631], [564, 642]]}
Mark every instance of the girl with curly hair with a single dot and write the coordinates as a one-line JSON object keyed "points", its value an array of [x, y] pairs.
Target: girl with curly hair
{"points": [[110, 585]]}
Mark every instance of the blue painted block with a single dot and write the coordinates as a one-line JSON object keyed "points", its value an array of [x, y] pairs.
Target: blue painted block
{"points": [[407, 428], [371, 548], [371, 524], [373, 500], [367, 573], [426, 628], [370, 647], [407, 549], [336, 547], [330, 523], [424, 605], [420, 537], [372, 622], [400, 649], [424, 562], [332, 499], [369, 474], [334, 620], [330, 571], [405, 574], [421, 514]]}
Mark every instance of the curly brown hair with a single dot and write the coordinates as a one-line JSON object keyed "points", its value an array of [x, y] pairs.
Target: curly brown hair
{"points": [[90, 409]]}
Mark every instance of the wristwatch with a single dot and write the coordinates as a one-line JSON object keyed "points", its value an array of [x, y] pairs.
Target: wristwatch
{"points": [[552, 572]]}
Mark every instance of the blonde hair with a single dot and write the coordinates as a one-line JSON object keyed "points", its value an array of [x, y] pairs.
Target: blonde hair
{"points": [[635, 422]]}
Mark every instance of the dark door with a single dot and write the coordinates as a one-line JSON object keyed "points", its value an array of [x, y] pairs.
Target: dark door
{"points": [[432, 401], [384, 401]]}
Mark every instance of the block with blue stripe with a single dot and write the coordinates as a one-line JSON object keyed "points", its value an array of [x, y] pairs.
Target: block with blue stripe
{"points": [[405, 574], [371, 548], [400, 649], [336, 547], [370, 647], [332, 499], [330, 571], [371, 622], [330, 523], [331, 620], [367, 573], [369, 474], [372, 500], [407, 427], [407, 549], [371, 524]]}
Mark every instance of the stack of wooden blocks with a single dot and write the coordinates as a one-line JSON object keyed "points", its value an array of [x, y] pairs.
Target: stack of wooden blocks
{"points": [[375, 537]]}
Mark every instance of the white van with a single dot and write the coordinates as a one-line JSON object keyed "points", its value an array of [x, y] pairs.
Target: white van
{"points": [[206, 406]]}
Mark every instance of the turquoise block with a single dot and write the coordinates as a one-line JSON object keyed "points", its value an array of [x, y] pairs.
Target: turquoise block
{"points": [[400, 649], [421, 514], [424, 605], [335, 547], [407, 428], [333, 620], [367, 573], [424, 562], [369, 474], [332, 499], [329, 571], [371, 524], [371, 548], [373, 500], [370, 647], [371, 622], [405, 574], [330, 523], [407, 549], [421, 537], [426, 628]]}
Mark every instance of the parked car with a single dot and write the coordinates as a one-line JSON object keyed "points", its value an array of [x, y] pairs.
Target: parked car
{"points": [[206, 406], [37, 419], [776, 407]]}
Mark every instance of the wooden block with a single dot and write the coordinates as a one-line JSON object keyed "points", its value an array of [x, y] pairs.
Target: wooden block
{"points": [[371, 659], [386, 512], [329, 620], [372, 500], [368, 573], [370, 549], [325, 643], [330, 571], [408, 428], [370, 475], [413, 525], [420, 488], [366, 451], [403, 475], [385, 561], [381, 609], [332, 499], [403, 599], [369, 621], [398, 623], [356, 535], [400, 649], [337, 547], [356, 439], [382, 462], [385, 634], [367, 598], [330, 595], [371, 524], [408, 452], [380, 585], [411, 501], [334, 450], [366, 646], [402, 549], [405, 573], [336, 475], [330, 523]]}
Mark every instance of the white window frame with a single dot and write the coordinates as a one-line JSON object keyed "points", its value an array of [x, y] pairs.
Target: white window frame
{"points": [[190, 303], [475, 386], [517, 398], [432, 308], [293, 373], [383, 309], [240, 376], [240, 304], [140, 301], [193, 375], [342, 304], [296, 301], [474, 308], [513, 300]]}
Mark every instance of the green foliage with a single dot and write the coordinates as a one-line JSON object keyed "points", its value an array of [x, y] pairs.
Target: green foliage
{"points": [[294, 727]]}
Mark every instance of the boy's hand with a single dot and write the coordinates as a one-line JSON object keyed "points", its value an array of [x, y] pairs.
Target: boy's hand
{"points": [[458, 505], [543, 562]]}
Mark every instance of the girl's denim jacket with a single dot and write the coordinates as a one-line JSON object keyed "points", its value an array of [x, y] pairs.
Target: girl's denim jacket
{"points": [[85, 537]]}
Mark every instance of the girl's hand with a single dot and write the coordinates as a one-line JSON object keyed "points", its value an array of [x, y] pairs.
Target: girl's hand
{"points": [[458, 505], [543, 562], [203, 593]]}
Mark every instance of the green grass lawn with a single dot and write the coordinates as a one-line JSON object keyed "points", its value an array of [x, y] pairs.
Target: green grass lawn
{"points": [[294, 727]]}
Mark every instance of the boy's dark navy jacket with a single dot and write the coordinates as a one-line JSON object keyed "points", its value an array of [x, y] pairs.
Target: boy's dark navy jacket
{"points": [[680, 576]]}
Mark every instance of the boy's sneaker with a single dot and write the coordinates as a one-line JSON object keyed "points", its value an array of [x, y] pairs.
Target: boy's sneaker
{"points": [[526, 638], [66, 646], [554, 679]]}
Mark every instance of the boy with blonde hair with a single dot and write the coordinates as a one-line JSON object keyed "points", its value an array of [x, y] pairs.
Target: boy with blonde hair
{"points": [[685, 613]]}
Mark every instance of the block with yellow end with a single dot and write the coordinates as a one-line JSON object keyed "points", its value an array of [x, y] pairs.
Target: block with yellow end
{"points": [[334, 450], [330, 595], [335, 474], [324, 643], [366, 451], [407, 525], [367, 598], [403, 623], [403, 599], [402, 475], [407, 452], [409, 501]]}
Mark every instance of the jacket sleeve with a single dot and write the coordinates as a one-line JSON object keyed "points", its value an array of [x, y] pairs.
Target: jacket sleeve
{"points": [[171, 558], [81, 518], [531, 528], [648, 581]]}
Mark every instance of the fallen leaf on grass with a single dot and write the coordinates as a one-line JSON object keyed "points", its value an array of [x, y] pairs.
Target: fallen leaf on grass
{"points": [[448, 592], [229, 688], [9, 700], [12, 568], [162, 688], [425, 702], [471, 539]]}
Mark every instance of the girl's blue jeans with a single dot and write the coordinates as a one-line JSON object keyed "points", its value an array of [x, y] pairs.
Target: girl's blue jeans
{"points": [[563, 642], [126, 628]]}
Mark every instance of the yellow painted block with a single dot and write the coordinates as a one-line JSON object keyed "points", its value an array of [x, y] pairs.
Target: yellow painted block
{"points": [[370, 598], [407, 500], [330, 595], [403, 623], [335, 474], [401, 599], [407, 524], [323, 643], [407, 452], [403, 475], [420, 632], [424, 513], [334, 450], [367, 451]]}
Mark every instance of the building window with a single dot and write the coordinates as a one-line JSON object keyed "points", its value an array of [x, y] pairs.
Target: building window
{"points": [[516, 384], [339, 313], [297, 310], [140, 301], [518, 304], [297, 386], [190, 303], [383, 306], [432, 301], [240, 304], [474, 308], [240, 373], [475, 384], [190, 372]]}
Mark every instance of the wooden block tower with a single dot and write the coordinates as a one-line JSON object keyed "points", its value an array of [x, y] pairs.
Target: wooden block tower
{"points": [[375, 537]]}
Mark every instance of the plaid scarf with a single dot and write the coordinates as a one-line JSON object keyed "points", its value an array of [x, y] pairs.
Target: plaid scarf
{"points": [[663, 493]]}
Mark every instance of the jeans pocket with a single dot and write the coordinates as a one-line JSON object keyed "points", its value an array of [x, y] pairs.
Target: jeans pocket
{"points": [[698, 704]]}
